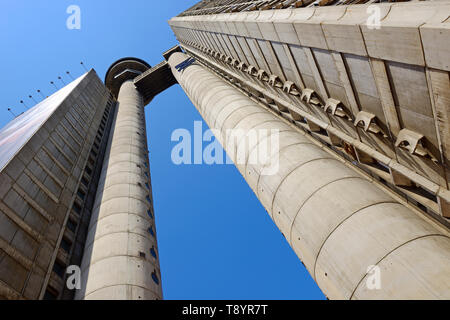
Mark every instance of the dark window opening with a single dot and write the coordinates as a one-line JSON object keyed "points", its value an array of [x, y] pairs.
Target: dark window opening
{"points": [[59, 269], [77, 208], [153, 252], [85, 182], [383, 181], [155, 277], [50, 294], [148, 187], [150, 214], [88, 170], [148, 199], [66, 245], [150, 230], [142, 255], [422, 207], [81, 194], [71, 225]]}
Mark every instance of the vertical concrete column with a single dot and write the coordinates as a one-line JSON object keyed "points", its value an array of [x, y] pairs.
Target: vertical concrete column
{"points": [[121, 257], [356, 241]]}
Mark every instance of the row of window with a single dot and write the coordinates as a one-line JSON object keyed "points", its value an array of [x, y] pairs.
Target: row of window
{"points": [[150, 230], [59, 267]]}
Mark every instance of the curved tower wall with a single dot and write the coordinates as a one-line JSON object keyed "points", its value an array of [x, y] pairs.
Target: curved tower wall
{"points": [[121, 257], [339, 223]]}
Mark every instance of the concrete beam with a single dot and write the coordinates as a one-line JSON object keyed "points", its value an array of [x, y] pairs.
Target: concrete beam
{"points": [[338, 223]]}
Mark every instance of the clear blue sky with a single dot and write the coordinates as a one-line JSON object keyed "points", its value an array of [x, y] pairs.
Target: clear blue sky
{"points": [[215, 239]]}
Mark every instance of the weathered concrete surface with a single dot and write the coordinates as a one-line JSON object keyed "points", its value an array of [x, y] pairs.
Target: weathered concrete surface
{"points": [[118, 262], [337, 222], [40, 185], [392, 74]]}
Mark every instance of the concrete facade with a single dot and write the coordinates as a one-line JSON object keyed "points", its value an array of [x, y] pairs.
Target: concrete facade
{"points": [[363, 181], [363, 114], [78, 191], [377, 93], [120, 260], [44, 191], [338, 222]]}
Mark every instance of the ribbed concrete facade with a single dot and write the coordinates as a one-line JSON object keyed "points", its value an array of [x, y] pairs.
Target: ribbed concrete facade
{"points": [[338, 222], [369, 79], [45, 201], [362, 111], [120, 259]]}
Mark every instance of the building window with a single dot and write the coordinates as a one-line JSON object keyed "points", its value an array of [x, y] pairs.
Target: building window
{"points": [[66, 245], [155, 277], [59, 269], [148, 199], [50, 294], [150, 214], [148, 187], [77, 208], [153, 252], [85, 182], [72, 226], [81, 194], [150, 230], [142, 255], [88, 170]]}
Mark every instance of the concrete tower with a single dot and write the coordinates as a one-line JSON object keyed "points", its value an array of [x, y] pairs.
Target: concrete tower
{"points": [[75, 190], [340, 222], [362, 109], [361, 191], [121, 258], [50, 161]]}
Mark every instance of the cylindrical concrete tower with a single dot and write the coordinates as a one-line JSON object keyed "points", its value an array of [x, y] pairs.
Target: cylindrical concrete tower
{"points": [[356, 241], [121, 256]]}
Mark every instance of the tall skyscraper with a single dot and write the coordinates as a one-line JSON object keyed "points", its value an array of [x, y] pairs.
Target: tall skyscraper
{"points": [[51, 157], [76, 190], [358, 95]]}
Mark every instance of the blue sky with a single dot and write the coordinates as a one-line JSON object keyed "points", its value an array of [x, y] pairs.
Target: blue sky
{"points": [[216, 241]]}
